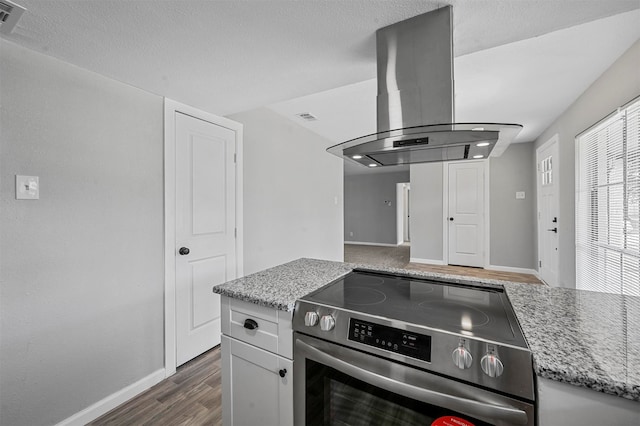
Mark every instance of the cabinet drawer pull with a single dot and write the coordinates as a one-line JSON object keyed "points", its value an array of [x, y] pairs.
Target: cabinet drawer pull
{"points": [[250, 324], [282, 372]]}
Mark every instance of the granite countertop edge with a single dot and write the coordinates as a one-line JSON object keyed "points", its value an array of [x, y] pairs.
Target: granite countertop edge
{"points": [[611, 387], [281, 286]]}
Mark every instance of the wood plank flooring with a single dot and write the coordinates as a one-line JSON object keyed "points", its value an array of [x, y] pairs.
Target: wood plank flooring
{"points": [[398, 257], [192, 396], [476, 273]]}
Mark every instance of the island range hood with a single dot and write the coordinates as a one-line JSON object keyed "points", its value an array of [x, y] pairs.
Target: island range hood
{"points": [[415, 101]]}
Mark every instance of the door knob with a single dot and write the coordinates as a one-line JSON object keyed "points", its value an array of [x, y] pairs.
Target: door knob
{"points": [[451, 219], [553, 230], [184, 251]]}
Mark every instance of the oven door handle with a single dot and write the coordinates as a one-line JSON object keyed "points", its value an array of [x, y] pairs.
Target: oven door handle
{"points": [[481, 410]]}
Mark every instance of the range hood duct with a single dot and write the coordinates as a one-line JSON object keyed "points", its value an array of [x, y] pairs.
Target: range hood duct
{"points": [[415, 101]]}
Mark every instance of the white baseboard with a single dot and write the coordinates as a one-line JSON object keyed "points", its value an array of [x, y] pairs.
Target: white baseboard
{"points": [[426, 261], [513, 269], [371, 244], [112, 401]]}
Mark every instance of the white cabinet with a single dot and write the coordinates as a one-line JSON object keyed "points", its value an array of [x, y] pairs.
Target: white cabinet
{"points": [[257, 365], [568, 405]]}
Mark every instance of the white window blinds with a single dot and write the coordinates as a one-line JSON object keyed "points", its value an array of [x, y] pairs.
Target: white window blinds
{"points": [[608, 204]]}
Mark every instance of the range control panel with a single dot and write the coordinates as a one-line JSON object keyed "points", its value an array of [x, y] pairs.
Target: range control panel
{"points": [[391, 339]]}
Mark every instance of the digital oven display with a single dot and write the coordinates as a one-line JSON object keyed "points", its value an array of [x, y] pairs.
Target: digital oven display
{"points": [[391, 339]]}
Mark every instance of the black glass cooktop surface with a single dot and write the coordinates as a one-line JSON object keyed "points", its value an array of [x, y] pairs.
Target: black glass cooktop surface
{"points": [[459, 308]]}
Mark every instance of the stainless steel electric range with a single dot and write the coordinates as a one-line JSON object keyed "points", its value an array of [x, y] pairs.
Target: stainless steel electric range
{"points": [[382, 349]]}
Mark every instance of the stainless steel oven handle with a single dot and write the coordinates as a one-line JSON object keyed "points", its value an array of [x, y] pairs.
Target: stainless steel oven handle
{"points": [[473, 408]]}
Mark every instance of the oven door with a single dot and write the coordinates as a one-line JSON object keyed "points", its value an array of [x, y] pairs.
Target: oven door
{"points": [[335, 385]]}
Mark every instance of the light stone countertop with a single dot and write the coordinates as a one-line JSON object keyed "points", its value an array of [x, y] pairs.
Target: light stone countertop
{"points": [[583, 338], [279, 287]]}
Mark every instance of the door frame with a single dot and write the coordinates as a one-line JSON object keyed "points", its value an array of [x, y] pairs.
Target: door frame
{"points": [[399, 213], [172, 107], [445, 210], [402, 211], [555, 139]]}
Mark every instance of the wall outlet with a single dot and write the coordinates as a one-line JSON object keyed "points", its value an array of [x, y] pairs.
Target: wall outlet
{"points": [[351, 234], [27, 188], [520, 195]]}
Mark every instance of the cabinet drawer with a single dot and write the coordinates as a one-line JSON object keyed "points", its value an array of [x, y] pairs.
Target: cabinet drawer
{"points": [[264, 336], [273, 332]]}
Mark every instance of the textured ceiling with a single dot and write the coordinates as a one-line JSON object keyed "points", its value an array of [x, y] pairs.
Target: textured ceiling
{"points": [[530, 82], [232, 56]]}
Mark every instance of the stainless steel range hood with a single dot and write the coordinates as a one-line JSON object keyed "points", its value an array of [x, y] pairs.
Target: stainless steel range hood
{"points": [[415, 101]]}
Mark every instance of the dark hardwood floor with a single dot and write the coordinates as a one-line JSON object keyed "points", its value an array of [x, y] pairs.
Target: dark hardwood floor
{"points": [[192, 396]]}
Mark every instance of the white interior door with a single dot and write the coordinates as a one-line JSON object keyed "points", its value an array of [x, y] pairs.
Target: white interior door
{"points": [[547, 182], [466, 214], [205, 230], [407, 235]]}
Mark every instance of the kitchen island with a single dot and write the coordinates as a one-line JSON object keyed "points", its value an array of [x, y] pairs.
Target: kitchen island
{"points": [[585, 339]]}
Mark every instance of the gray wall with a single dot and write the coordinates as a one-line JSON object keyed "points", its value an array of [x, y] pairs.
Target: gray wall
{"points": [[365, 213], [513, 221], [292, 193], [81, 272], [426, 220], [615, 87]]}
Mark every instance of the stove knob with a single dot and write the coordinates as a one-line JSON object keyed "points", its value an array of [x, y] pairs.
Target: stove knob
{"points": [[491, 365], [311, 319], [327, 323], [462, 357]]}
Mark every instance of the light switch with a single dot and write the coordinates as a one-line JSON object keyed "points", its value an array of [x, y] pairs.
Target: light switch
{"points": [[520, 195], [27, 188]]}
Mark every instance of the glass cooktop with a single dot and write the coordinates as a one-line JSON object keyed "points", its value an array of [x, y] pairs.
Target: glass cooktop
{"points": [[459, 308]]}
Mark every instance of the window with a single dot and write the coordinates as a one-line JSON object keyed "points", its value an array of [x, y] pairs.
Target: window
{"points": [[547, 171], [608, 204]]}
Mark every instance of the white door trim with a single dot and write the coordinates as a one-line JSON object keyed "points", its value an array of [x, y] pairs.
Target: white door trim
{"points": [[400, 213], [170, 108], [487, 218], [445, 211], [555, 139]]}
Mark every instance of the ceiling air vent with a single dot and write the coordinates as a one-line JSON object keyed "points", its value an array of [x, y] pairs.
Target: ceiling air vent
{"points": [[307, 116], [10, 14]]}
